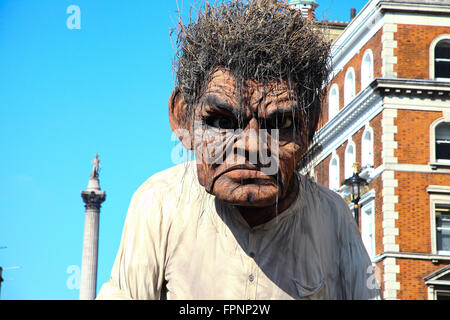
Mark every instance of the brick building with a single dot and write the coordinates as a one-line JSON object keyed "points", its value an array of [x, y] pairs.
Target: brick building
{"points": [[388, 109]]}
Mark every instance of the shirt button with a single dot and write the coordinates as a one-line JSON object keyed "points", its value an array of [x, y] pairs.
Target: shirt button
{"points": [[252, 255], [251, 278]]}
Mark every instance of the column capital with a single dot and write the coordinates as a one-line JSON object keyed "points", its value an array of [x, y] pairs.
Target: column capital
{"points": [[93, 199]]}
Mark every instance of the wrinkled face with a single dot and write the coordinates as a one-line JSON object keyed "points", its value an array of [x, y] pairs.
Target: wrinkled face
{"points": [[247, 143]]}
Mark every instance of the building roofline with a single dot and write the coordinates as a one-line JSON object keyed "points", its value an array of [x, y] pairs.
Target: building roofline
{"points": [[370, 20], [415, 6]]}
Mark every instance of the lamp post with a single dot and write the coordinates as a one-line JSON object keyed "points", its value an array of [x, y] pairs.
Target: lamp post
{"points": [[355, 182]]}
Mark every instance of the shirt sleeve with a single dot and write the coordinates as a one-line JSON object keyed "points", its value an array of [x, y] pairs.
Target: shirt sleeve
{"points": [[356, 269], [138, 270]]}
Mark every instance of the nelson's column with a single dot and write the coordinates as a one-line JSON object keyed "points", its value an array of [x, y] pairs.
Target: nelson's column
{"points": [[93, 198]]}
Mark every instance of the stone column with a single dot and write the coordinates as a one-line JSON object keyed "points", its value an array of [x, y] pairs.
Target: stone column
{"points": [[93, 198]]}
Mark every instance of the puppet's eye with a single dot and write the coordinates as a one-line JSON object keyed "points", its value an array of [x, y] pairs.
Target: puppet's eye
{"points": [[221, 122], [281, 122]]}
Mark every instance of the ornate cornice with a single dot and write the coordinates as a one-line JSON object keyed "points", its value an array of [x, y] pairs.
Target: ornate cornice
{"points": [[412, 87], [92, 199]]}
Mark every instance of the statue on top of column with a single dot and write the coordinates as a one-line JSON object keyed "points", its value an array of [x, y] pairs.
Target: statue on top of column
{"points": [[96, 167]]}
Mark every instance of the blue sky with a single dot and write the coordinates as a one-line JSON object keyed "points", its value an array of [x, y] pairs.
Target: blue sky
{"points": [[66, 95]]}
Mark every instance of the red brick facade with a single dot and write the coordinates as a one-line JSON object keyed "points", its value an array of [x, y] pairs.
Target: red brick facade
{"points": [[413, 135], [413, 51], [401, 147]]}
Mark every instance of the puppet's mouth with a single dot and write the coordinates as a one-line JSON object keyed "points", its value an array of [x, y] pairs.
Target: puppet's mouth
{"points": [[256, 181], [246, 174]]}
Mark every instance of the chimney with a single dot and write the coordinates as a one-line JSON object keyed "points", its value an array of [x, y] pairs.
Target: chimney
{"points": [[306, 7], [352, 13]]}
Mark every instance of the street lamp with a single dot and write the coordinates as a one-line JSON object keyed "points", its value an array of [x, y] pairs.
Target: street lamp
{"points": [[355, 182]]}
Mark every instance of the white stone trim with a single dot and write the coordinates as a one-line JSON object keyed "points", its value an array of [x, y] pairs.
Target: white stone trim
{"points": [[411, 255], [389, 60], [391, 285], [418, 18], [438, 189], [420, 168], [390, 215], [431, 293], [388, 136]]}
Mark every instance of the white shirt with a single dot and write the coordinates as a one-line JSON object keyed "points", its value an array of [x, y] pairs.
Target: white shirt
{"points": [[183, 243]]}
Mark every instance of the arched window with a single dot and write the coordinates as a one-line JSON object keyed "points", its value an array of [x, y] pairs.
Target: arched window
{"points": [[442, 59], [367, 69], [442, 140], [368, 228], [333, 103], [350, 159], [349, 86], [334, 173], [367, 148]]}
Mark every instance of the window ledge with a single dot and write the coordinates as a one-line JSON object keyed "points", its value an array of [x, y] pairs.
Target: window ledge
{"points": [[440, 165], [442, 79], [438, 189]]}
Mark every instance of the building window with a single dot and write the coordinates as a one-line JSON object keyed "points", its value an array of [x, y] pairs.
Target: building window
{"points": [[442, 59], [367, 69], [350, 159], [443, 295], [440, 143], [368, 228], [334, 173], [333, 104], [442, 136], [367, 149], [442, 214], [349, 86], [439, 54], [440, 218]]}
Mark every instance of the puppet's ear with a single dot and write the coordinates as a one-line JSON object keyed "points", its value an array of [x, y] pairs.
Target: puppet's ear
{"points": [[178, 118]]}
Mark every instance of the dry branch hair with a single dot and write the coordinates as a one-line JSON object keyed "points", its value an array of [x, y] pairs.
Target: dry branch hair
{"points": [[263, 40]]}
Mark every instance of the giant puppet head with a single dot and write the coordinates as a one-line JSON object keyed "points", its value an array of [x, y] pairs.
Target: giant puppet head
{"points": [[249, 85]]}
